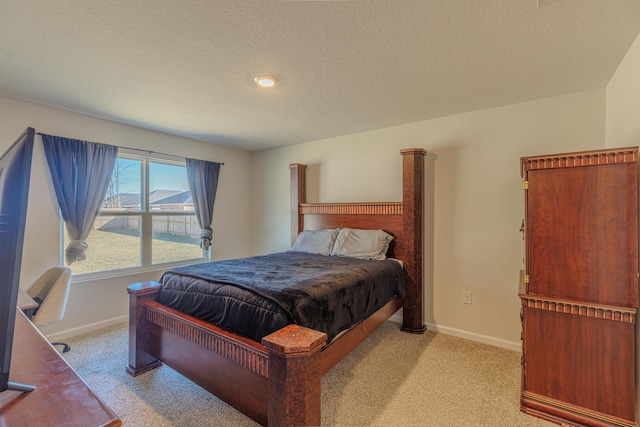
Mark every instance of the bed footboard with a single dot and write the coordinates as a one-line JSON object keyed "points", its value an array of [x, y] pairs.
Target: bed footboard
{"points": [[275, 384]]}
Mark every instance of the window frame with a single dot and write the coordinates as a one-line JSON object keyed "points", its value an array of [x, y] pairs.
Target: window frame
{"points": [[146, 224]]}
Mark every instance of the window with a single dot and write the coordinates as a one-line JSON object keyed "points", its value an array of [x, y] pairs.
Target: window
{"points": [[147, 219]]}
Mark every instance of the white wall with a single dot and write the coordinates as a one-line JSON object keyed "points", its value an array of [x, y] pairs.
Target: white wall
{"points": [[623, 130], [101, 301], [477, 197], [623, 101]]}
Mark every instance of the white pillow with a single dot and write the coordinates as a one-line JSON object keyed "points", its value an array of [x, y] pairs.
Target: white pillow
{"points": [[315, 241], [365, 244]]}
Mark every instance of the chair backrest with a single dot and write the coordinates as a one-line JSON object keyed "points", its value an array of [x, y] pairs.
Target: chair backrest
{"points": [[52, 288]]}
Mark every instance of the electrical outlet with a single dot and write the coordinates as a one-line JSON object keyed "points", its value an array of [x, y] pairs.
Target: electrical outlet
{"points": [[466, 297]]}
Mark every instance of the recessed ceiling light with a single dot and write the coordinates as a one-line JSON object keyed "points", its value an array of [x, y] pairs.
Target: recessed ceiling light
{"points": [[266, 81]]}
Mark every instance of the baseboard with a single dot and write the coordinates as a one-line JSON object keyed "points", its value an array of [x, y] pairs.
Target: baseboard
{"points": [[485, 339], [58, 336], [472, 336], [397, 318]]}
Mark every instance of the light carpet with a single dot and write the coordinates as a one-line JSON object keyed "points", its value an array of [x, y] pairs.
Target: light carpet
{"points": [[392, 379]]}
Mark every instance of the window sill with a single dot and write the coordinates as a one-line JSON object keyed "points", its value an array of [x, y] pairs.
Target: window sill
{"points": [[90, 277]]}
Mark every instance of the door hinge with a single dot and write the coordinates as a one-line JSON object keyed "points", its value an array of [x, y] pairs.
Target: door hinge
{"points": [[526, 278], [525, 185]]}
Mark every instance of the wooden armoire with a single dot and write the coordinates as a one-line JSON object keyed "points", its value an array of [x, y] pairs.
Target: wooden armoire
{"points": [[579, 290]]}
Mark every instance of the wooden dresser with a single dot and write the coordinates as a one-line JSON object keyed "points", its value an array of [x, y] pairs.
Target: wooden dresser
{"points": [[580, 287]]}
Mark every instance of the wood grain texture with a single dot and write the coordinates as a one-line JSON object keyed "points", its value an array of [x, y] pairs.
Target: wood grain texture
{"points": [[298, 196], [570, 217], [581, 361], [391, 223], [61, 397], [295, 377], [412, 223], [566, 414], [243, 352], [580, 299], [140, 361]]}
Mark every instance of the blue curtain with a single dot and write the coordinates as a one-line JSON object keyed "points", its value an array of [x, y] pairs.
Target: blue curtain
{"points": [[203, 185], [80, 172]]}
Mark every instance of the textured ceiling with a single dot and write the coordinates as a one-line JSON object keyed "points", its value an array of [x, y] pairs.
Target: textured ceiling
{"points": [[187, 67]]}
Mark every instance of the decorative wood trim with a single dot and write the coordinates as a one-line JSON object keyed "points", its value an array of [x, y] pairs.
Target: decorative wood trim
{"points": [[555, 410], [580, 308], [248, 357], [375, 208], [584, 158]]}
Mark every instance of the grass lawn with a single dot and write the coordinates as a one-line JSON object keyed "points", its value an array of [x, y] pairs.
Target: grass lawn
{"points": [[110, 250]]}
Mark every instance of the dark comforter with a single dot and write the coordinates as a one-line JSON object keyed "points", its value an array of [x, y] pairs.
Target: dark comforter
{"points": [[259, 295]]}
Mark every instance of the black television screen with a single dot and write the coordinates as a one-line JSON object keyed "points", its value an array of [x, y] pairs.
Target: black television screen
{"points": [[15, 172]]}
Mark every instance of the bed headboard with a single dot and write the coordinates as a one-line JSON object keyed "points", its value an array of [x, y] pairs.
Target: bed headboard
{"points": [[402, 219]]}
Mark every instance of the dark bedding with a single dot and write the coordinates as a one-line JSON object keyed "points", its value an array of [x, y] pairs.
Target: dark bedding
{"points": [[258, 295]]}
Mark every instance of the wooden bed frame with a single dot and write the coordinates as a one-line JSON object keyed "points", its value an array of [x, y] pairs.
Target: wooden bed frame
{"points": [[277, 382]]}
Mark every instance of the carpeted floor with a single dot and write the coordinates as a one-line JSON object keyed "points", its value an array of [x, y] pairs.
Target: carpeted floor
{"points": [[392, 379]]}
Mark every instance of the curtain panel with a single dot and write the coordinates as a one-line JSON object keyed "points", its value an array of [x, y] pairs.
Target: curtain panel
{"points": [[203, 185], [80, 173]]}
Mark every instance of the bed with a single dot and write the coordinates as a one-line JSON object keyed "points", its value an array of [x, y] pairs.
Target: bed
{"points": [[276, 381]]}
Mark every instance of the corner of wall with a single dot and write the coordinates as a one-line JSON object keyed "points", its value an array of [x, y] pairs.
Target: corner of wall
{"points": [[622, 127]]}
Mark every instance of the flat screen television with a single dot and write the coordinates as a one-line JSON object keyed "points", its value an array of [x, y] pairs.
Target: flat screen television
{"points": [[15, 172]]}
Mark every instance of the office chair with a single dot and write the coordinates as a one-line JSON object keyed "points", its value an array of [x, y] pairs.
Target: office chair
{"points": [[51, 291]]}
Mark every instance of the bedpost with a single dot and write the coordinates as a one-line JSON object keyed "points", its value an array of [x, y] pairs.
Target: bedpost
{"points": [[412, 208], [298, 195], [139, 360], [294, 376]]}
